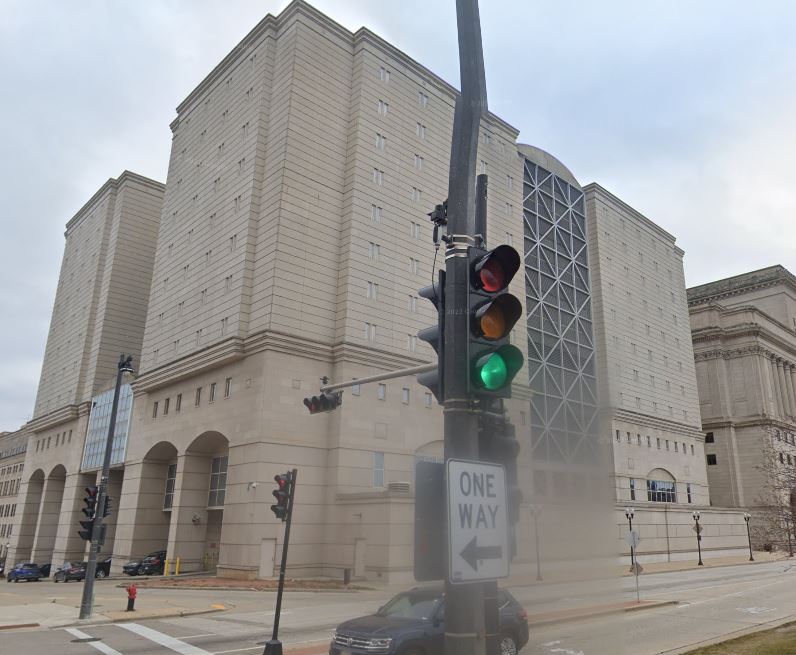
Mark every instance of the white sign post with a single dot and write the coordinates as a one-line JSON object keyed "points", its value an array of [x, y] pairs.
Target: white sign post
{"points": [[478, 528]]}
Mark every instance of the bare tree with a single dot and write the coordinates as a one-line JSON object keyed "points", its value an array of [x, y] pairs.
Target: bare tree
{"points": [[775, 510]]}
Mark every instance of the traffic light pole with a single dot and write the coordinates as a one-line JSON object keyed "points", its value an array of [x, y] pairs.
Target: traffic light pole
{"points": [[273, 646], [464, 614], [87, 602], [399, 373]]}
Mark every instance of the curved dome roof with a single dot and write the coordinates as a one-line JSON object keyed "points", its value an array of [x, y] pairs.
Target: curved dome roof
{"points": [[546, 160]]}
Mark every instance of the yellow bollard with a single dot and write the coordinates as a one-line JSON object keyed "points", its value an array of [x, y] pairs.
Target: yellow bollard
{"points": [[177, 567], [165, 568]]}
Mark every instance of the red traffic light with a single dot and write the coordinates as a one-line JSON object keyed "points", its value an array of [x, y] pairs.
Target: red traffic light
{"points": [[325, 402], [493, 271], [282, 495]]}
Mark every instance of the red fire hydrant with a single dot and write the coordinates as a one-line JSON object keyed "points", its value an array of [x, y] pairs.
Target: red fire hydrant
{"points": [[132, 592]]}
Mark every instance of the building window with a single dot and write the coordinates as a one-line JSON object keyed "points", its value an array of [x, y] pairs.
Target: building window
{"points": [[659, 491], [378, 177], [427, 399], [218, 482], [154, 415], [420, 131], [227, 387], [422, 99], [372, 291], [178, 402], [709, 438], [166, 406], [692, 449], [374, 250], [649, 441], [688, 491], [370, 331], [381, 393], [632, 489], [198, 398], [171, 479], [381, 141], [658, 440], [212, 392], [711, 460], [383, 108], [356, 389], [411, 343], [375, 213], [628, 437], [378, 469], [405, 396], [618, 438], [384, 74], [781, 458]]}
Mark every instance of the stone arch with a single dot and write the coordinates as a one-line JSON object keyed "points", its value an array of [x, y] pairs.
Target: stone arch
{"points": [[660, 474], [195, 535], [30, 494], [432, 449], [50, 510]]}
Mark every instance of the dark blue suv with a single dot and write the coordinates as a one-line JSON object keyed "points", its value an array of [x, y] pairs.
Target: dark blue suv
{"points": [[26, 571], [412, 623]]}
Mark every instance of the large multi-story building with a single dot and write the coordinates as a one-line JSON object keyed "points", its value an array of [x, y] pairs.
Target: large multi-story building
{"points": [[292, 242], [744, 334], [12, 467], [99, 312]]}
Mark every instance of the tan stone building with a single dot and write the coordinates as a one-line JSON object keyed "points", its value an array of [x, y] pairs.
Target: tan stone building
{"points": [[99, 312], [13, 446], [744, 335], [291, 245]]}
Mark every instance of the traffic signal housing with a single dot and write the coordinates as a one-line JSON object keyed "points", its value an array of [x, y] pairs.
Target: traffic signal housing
{"points": [[107, 506], [284, 483], [493, 313], [90, 511], [497, 443], [326, 401], [435, 337]]}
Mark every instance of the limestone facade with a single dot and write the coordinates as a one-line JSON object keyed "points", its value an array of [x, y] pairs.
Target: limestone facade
{"points": [[744, 334], [12, 467]]}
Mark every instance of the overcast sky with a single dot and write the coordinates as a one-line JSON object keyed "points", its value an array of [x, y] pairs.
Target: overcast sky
{"points": [[685, 110]]}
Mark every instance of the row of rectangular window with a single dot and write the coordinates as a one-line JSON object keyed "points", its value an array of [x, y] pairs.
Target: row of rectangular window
{"points": [[197, 398], [60, 439], [217, 488], [10, 487], [5, 530], [9, 470], [659, 442], [8, 510], [660, 491]]}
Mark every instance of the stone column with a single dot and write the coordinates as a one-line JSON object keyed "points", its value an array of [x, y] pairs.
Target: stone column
{"points": [[188, 530], [49, 513], [27, 518], [789, 387], [768, 406], [793, 378], [780, 378]]}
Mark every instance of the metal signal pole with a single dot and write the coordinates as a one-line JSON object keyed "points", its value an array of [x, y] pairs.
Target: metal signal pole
{"points": [[464, 614], [87, 602]]}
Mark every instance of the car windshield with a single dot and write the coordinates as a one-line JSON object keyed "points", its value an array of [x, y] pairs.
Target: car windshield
{"points": [[411, 605]]}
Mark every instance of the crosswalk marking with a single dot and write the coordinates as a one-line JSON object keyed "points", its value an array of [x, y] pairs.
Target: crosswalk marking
{"points": [[162, 639], [102, 648]]}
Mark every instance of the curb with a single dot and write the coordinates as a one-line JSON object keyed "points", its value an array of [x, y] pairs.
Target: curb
{"points": [[15, 626], [597, 612], [627, 574], [138, 617], [200, 588]]}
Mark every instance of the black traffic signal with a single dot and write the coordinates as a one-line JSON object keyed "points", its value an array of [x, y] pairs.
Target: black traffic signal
{"points": [[493, 360], [107, 506], [497, 443], [90, 511], [435, 336], [324, 402], [284, 482]]}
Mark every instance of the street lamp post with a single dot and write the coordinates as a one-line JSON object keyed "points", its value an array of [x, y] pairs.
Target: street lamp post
{"points": [[746, 518], [629, 514], [699, 536], [535, 510], [87, 602], [790, 543]]}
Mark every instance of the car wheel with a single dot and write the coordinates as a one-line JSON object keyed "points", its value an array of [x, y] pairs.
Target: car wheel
{"points": [[100, 574], [16, 579], [507, 645], [9, 579]]}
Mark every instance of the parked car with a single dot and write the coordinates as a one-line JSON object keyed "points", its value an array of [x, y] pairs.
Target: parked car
{"points": [[45, 570], [412, 623], [153, 563], [131, 568], [26, 571], [70, 571], [103, 568]]}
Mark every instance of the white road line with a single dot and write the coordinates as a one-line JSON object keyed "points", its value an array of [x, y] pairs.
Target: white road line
{"points": [[102, 648], [162, 639], [237, 650], [208, 634]]}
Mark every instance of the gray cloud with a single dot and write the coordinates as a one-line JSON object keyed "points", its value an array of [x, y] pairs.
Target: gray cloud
{"points": [[684, 110]]}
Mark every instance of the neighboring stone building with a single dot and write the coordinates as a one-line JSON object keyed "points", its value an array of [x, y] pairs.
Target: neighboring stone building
{"points": [[12, 465], [744, 335], [99, 312]]}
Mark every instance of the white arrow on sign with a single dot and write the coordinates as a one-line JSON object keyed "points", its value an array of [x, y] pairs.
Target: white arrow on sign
{"points": [[478, 534]]}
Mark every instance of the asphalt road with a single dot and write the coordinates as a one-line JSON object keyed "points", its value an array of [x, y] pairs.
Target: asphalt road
{"points": [[712, 603]]}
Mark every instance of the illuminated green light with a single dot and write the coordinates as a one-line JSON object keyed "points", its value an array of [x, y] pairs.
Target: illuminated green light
{"points": [[493, 372]]}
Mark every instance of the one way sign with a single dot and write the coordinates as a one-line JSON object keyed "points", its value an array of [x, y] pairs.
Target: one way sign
{"points": [[478, 533]]}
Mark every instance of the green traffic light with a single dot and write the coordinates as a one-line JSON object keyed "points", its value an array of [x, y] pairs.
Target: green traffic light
{"points": [[493, 372]]}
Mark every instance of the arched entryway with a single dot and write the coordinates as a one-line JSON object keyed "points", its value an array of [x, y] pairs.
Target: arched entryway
{"points": [[199, 497], [49, 513], [30, 492]]}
